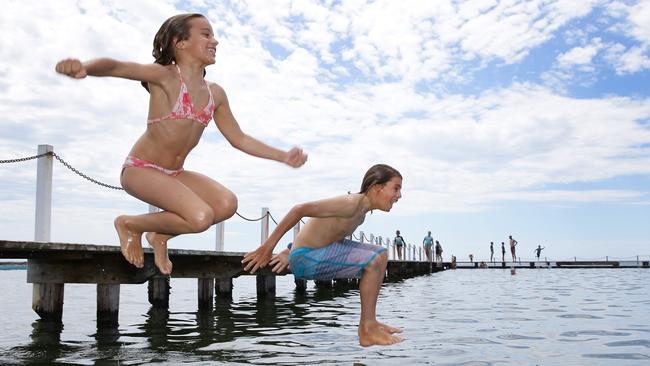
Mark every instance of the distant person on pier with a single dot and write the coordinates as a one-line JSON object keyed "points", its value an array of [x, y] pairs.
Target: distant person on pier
{"points": [[538, 251], [503, 252], [513, 250], [399, 243], [491, 251], [471, 258], [438, 252], [181, 105], [428, 245], [321, 252]]}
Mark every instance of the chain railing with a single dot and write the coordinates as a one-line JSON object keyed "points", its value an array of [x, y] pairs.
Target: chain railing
{"points": [[18, 160], [66, 164]]}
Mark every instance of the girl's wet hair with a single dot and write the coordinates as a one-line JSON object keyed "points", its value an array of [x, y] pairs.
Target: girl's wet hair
{"points": [[378, 174], [174, 29]]}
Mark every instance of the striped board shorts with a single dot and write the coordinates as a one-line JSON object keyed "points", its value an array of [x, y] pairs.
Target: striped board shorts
{"points": [[341, 259]]}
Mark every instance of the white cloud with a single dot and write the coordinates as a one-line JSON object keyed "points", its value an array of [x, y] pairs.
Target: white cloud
{"points": [[639, 19], [582, 56]]}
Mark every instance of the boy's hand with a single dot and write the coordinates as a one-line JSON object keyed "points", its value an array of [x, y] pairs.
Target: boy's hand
{"points": [[257, 259], [280, 261], [295, 157], [72, 68]]}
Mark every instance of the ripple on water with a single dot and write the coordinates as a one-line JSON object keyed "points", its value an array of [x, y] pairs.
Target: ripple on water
{"points": [[604, 333], [579, 316], [467, 340], [514, 337], [618, 356], [631, 343]]}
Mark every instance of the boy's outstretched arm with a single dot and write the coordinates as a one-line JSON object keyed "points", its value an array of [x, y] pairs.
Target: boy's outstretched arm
{"points": [[261, 256], [342, 206]]}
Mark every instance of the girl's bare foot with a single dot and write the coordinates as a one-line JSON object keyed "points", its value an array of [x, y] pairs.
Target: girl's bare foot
{"points": [[388, 328], [161, 256], [372, 333], [130, 242]]}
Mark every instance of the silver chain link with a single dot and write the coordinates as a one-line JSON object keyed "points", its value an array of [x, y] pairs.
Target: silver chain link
{"points": [[5, 161], [23, 159], [247, 219], [83, 175]]}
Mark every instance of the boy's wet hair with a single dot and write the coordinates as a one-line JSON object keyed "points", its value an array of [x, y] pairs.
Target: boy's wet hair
{"points": [[174, 29], [378, 174]]}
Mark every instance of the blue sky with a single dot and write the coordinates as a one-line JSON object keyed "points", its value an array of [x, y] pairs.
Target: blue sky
{"points": [[529, 119]]}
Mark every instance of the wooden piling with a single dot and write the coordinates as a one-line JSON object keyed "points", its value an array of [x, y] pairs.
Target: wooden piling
{"points": [[301, 285], [108, 304], [47, 300], [158, 289], [223, 288], [206, 293], [265, 286]]}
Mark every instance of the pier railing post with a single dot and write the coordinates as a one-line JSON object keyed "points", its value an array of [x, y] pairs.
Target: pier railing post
{"points": [[47, 298], [361, 237], [265, 225], [220, 229], [265, 283], [43, 194]]}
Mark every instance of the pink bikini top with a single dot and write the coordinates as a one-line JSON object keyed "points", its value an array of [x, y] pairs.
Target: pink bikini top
{"points": [[184, 109]]}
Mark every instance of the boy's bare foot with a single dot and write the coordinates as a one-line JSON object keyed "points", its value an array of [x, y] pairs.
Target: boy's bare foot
{"points": [[130, 242], [161, 256], [373, 334], [388, 328]]}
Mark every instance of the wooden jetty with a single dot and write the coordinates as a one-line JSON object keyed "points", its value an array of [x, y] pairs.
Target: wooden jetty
{"points": [[51, 265], [551, 264]]}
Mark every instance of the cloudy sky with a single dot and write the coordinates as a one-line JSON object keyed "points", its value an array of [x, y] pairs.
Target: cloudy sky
{"points": [[529, 119]]}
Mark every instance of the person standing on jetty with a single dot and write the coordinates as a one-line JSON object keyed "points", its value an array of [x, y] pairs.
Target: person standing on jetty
{"points": [[538, 251], [181, 104], [438, 252], [428, 245], [503, 252], [399, 243], [513, 244], [321, 252], [491, 251]]}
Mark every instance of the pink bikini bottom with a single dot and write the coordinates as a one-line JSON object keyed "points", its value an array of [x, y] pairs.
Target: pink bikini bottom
{"points": [[132, 161]]}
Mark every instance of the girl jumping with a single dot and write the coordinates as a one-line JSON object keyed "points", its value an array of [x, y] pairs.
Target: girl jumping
{"points": [[181, 104]]}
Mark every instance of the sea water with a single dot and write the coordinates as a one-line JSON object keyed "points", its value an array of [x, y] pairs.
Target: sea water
{"points": [[455, 317]]}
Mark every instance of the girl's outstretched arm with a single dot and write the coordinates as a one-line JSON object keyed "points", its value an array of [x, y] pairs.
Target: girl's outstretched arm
{"points": [[232, 132], [341, 206], [151, 73]]}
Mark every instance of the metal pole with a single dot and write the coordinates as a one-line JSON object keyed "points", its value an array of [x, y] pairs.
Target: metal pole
{"points": [[265, 224], [220, 229], [361, 236], [42, 227], [296, 230]]}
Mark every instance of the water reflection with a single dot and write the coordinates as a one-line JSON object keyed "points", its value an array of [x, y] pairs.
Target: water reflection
{"points": [[45, 345]]}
